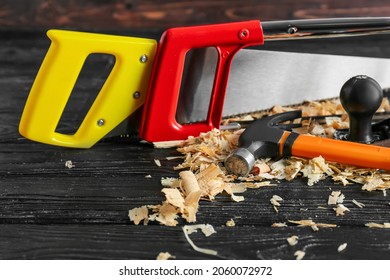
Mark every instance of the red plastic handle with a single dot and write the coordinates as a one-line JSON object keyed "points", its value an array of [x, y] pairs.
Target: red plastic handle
{"points": [[159, 115]]}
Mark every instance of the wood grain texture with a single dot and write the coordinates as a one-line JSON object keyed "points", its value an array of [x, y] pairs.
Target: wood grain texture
{"points": [[146, 242], [48, 211], [157, 14]]}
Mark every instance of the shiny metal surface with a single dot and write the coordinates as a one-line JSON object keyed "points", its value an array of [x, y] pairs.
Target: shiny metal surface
{"points": [[262, 79]]}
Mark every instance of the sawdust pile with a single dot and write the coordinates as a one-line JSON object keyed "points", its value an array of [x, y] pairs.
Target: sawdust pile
{"points": [[202, 175]]}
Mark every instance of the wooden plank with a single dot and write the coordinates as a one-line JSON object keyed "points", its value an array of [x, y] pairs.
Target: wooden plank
{"points": [[146, 242], [48, 211], [163, 14]]}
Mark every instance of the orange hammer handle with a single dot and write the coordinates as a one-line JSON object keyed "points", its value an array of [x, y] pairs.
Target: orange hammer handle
{"points": [[342, 151]]}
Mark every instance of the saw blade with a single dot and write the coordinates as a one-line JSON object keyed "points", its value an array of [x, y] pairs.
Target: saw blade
{"points": [[259, 80]]}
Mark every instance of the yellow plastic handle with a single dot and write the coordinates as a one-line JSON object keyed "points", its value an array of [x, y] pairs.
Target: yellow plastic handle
{"points": [[58, 75]]}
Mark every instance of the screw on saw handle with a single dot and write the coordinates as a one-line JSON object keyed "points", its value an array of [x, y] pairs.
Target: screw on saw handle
{"points": [[159, 115], [58, 75]]}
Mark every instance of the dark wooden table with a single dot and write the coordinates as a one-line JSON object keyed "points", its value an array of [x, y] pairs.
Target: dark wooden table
{"points": [[48, 211]]}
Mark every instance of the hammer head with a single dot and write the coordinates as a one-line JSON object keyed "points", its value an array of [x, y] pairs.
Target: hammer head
{"points": [[262, 139]]}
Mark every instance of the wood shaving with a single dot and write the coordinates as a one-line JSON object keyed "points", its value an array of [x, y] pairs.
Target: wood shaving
{"points": [[173, 158], [211, 147], [165, 214], [170, 182], [315, 170], [342, 247], [189, 182], [183, 194], [374, 184], [139, 214], [312, 224], [230, 223], [279, 224], [299, 254], [358, 204], [157, 162], [292, 240], [278, 169], [292, 169], [164, 256], [260, 167], [335, 197], [174, 197], [69, 164], [207, 231], [377, 225], [340, 210], [148, 176], [168, 144], [317, 130], [275, 201]]}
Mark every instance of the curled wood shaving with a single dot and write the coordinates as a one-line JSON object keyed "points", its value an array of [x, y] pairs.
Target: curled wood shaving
{"points": [[189, 182], [164, 256], [292, 240], [299, 254], [183, 194], [275, 201], [174, 198], [207, 231], [69, 164]]}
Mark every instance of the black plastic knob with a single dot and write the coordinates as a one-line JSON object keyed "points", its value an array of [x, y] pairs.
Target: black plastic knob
{"points": [[361, 97]]}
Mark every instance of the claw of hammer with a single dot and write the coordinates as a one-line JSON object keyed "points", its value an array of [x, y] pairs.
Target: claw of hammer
{"points": [[265, 139]]}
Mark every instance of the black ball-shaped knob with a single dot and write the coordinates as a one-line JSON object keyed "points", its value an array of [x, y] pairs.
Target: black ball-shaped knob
{"points": [[361, 97]]}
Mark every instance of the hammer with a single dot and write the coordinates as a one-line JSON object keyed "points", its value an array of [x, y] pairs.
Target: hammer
{"points": [[264, 139]]}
